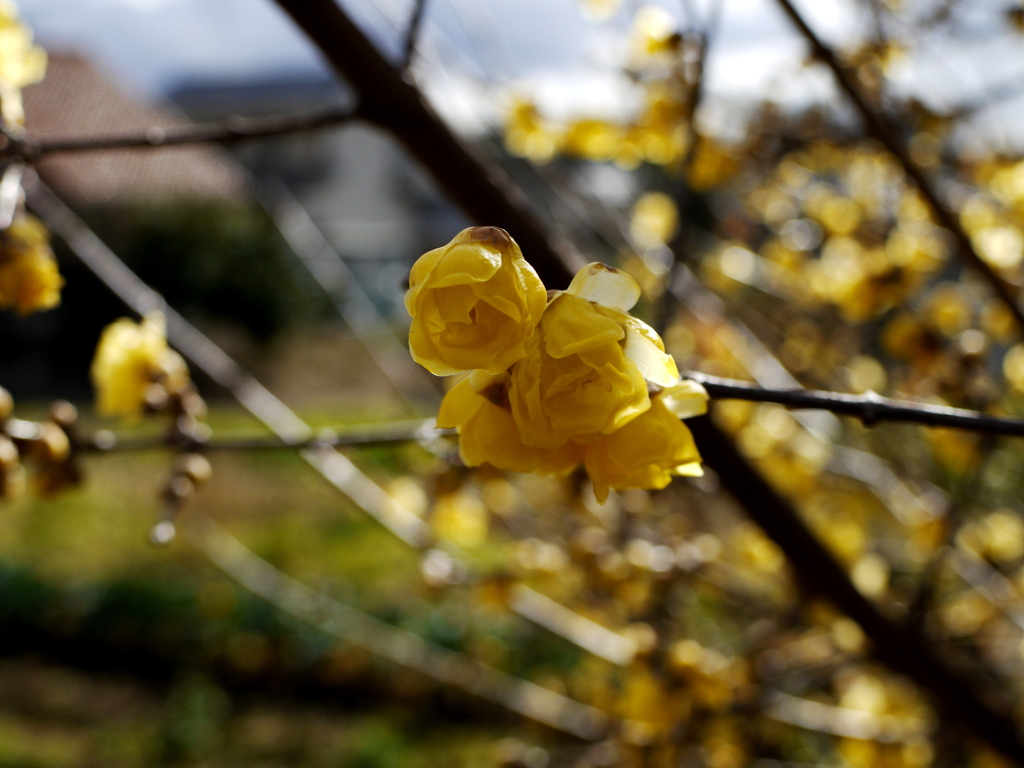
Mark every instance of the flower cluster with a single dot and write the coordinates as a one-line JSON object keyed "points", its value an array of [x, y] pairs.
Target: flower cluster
{"points": [[133, 367], [21, 64], [556, 379], [29, 280]]}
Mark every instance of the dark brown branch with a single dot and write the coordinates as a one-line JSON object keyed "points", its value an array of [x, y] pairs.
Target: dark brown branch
{"points": [[234, 129], [880, 128], [980, 706], [480, 188], [869, 408], [684, 195]]}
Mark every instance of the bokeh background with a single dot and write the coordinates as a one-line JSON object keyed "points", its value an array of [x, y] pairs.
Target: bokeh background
{"points": [[705, 148]]}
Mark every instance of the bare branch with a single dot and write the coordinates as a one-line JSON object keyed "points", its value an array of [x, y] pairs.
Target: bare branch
{"points": [[233, 130], [412, 32], [213, 361], [684, 194], [378, 434], [480, 188], [880, 128], [870, 408]]}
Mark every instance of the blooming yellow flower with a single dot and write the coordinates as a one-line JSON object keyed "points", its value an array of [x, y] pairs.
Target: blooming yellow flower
{"points": [[129, 358], [587, 368], [474, 303], [21, 63], [478, 406], [646, 453], [29, 280]]}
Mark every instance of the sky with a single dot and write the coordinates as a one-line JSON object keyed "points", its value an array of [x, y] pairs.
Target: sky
{"points": [[474, 49], [156, 44]]}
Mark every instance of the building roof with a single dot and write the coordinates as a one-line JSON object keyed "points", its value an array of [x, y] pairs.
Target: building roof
{"points": [[76, 100]]}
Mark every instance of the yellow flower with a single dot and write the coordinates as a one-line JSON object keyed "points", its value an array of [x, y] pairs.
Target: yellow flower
{"points": [[21, 63], [474, 303], [129, 358], [478, 406], [646, 453], [587, 367], [29, 280]]}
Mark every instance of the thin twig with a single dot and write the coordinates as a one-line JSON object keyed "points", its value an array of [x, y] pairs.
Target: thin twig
{"points": [[108, 442], [232, 130], [842, 721], [870, 408], [684, 194], [412, 32], [880, 128]]}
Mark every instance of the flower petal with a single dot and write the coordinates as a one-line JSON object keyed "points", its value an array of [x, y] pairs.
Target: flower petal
{"points": [[571, 325], [459, 405], [685, 399], [606, 286], [644, 347]]}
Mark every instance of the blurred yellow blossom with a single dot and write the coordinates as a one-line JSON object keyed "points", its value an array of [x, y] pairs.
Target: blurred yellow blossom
{"points": [[29, 280], [598, 10], [527, 134], [131, 357], [654, 221], [473, 303], [21, 63]]}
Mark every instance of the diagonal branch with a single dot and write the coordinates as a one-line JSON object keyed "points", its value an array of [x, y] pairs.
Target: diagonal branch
{"points": [[481, 188], [880, 128], [978, 705]]}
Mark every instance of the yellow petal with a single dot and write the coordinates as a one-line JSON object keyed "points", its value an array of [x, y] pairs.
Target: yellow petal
{"points": [[466, 263], [572, 325], [685, 399], [459, 405], [645, 348], [606, 286]]}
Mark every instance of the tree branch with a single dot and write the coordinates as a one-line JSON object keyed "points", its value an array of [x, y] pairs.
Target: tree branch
{"points": [[880, 128], [481, 188], [412, 32], [870, 408], [978, 705], [107, 442], [230, 131]]}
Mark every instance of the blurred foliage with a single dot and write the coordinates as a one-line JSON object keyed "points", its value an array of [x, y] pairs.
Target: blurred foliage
{"points": [[220, 260]]}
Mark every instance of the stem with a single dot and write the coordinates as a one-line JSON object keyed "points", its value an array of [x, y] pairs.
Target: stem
{"points": [[870, 407]]}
